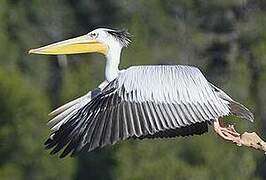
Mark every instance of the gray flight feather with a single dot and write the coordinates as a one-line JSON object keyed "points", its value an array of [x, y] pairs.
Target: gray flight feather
{"points": [[143, 102]]}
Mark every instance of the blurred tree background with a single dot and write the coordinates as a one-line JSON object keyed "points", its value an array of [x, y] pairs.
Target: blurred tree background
{"points": [[226, 39]]}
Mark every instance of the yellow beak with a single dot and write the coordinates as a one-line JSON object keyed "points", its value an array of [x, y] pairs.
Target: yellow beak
{"points": [[76, 45]]}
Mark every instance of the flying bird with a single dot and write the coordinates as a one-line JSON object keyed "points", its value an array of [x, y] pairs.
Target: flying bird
{"points": [[153, 101]]}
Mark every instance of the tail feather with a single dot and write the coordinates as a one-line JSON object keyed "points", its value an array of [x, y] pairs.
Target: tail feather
{"points": [[236, 108], [241, 111]]}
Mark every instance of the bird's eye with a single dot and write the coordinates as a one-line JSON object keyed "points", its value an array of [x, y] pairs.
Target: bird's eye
{"points": [[94, 35]]}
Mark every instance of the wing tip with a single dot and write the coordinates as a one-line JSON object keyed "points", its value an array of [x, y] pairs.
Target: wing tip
{"points": [[52, 113]]}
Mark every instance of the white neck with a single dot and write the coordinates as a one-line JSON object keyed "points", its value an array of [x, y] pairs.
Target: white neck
{"points": [[112, 63]]}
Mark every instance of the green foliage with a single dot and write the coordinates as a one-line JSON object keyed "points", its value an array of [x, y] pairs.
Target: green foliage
{"points": [[23, 112], [188, 158]]}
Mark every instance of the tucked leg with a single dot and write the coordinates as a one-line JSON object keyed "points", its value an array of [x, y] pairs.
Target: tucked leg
{"points": [[228, 133]]}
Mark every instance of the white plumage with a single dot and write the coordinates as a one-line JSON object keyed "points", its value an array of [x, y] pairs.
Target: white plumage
{"points": [[138, 102], [142, 102]]}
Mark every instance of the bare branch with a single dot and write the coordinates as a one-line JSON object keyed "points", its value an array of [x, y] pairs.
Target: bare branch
{"points": [[252, 140]]}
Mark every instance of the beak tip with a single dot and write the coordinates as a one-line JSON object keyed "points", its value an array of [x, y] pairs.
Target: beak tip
{"points": [[31, 51], [34, 51]]}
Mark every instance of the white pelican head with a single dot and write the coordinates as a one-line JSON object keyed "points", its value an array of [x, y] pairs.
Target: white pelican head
{"points": [[101, 40]]}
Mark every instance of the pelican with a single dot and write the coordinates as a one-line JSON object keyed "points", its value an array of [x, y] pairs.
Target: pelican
{"points": [[153, 101]]}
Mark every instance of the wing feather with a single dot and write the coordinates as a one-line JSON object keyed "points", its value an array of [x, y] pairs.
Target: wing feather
{"points": [[125, 121], [165, 117], [145, 126], [142, 102], [131, 127], [150, 120], [136, 119], [154, 116]]}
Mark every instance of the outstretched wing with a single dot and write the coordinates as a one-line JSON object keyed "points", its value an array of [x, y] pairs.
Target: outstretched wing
{"points": [[64, 113], [142, 102]]}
